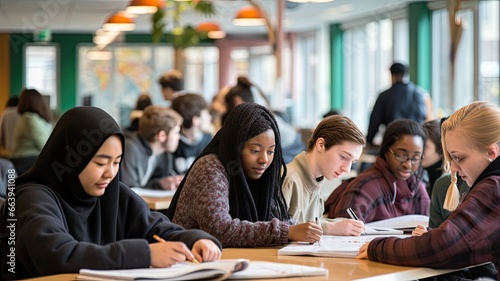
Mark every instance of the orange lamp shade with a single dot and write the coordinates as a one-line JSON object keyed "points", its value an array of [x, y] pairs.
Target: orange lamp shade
{"points": [[212, 29], [145, 6], [249, 16], [119, 21]]}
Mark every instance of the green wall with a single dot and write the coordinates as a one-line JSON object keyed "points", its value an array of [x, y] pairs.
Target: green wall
{"points": [[420, 29], [336, 68]]}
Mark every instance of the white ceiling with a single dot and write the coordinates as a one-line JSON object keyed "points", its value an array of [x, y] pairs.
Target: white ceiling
{"points": [[88, 15]]}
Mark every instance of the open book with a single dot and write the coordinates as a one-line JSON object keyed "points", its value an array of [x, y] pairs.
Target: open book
{"points": [[404, 223], [220, 270], [331, 246], [380, 230]]}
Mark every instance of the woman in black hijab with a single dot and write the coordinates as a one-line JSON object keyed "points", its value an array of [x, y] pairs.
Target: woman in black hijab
{"points": [[73, 213], [233, 189]]}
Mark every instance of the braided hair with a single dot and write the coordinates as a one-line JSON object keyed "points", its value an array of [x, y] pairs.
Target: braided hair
{"points": [[252, 200]]}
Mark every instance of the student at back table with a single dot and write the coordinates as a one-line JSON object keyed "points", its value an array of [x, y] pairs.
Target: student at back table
{"points": [[73, 213], [470, 235], [333, 147], [147, 163], [233, 189], [392, 186]]}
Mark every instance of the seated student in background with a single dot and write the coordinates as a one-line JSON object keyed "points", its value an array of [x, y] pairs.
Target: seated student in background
{"points": [[233, 189], [433, 154], [194, 111], [143, 101], [470, 235], [8, 121], [158, 133], [73, 213], [334, 146], [32, 129], [291, 140], [392, 186]]}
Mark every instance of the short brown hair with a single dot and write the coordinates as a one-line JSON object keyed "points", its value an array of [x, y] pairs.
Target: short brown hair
{"points": [[336, 129], [157, 118], [189, 106]]}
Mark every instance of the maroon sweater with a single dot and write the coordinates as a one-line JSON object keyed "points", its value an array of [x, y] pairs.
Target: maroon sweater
{"points": [[204, 204], [376, 194]]}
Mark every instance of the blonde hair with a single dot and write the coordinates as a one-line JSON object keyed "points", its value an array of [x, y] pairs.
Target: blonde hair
{"points": [[478, 124]]}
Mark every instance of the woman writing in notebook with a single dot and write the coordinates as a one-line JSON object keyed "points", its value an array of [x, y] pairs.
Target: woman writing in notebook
{"points": [[392, 186], [233, 189], [73, 213], [470, 235]]}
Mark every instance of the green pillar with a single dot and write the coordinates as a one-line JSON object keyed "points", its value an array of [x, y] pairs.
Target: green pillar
{"points": [[419, 21], [336, 68]]}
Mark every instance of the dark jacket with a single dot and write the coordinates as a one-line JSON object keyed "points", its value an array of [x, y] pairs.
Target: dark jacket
{"points": [[401, 101]]}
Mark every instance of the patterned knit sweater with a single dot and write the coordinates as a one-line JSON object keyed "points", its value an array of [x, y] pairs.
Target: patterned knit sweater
{"points": [[204, 204]]}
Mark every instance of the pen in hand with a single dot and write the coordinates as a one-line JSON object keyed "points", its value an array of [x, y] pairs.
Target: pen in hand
{"points": [[317, 222], [159, 239], [353, 216]]}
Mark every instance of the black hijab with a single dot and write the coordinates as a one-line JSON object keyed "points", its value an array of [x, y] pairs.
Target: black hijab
{"points": [[76, 138], [252, 200]]}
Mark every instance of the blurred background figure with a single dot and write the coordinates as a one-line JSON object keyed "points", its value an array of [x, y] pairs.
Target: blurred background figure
{"points": [[172, 84], [291, 140], [32, 130], [8, 122], [433, 154], [143, 101], [194, 111]]}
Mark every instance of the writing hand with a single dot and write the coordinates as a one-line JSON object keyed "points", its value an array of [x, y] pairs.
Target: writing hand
{"points": [[306, 232], [167, 253], [348, 227], [363, 251], [206, 250], [171, 182]]}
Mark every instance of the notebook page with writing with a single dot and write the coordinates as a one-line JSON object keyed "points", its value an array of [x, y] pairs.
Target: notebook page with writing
{"points": [[331, 246], [265, 270]]}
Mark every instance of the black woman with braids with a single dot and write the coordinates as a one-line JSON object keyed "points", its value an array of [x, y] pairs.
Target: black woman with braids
{"points": [[233, 189]]}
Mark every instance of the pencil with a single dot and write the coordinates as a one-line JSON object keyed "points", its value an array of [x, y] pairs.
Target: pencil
{"points": [[317, 222], [159, 239], [353, 216]]}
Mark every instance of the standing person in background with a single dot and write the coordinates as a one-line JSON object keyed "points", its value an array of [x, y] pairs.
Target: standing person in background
{"points": [[292, 143], [233, 189], [73, 213], [194, 111], [401, 101], [470, 235], [8, 122], [159, 131], [143, 101], [334, 146], [172, 84], [32, 130], [392, 186]]}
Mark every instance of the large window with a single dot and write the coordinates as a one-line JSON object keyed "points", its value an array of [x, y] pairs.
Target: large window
{"points": [[476, 68], [368, 53], [41, 71]]}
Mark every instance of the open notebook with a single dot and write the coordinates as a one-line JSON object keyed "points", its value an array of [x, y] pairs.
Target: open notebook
{"points": [[331, 246], [220, 270], [153, 193], [404, 223]]}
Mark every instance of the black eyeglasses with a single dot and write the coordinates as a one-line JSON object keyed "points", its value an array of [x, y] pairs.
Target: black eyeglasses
{"points": [[405, 158]]}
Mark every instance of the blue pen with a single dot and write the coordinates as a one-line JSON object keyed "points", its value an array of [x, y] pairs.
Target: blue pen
{"points": [[353, 216]]}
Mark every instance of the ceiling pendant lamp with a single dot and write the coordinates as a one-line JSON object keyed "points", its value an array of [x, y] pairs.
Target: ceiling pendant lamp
{"points": [[145, 6], [119, 21], [212, 29], [249, 16]]}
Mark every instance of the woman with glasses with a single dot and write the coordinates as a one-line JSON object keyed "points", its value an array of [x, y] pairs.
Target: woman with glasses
{"points": [[392, 186], [470, 235]]}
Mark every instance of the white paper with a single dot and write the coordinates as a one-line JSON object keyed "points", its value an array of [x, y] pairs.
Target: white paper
{"points": [[153, 192]]}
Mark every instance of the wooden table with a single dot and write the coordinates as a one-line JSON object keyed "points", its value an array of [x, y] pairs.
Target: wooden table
{"points": [[158, 203], [339, 268]]}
